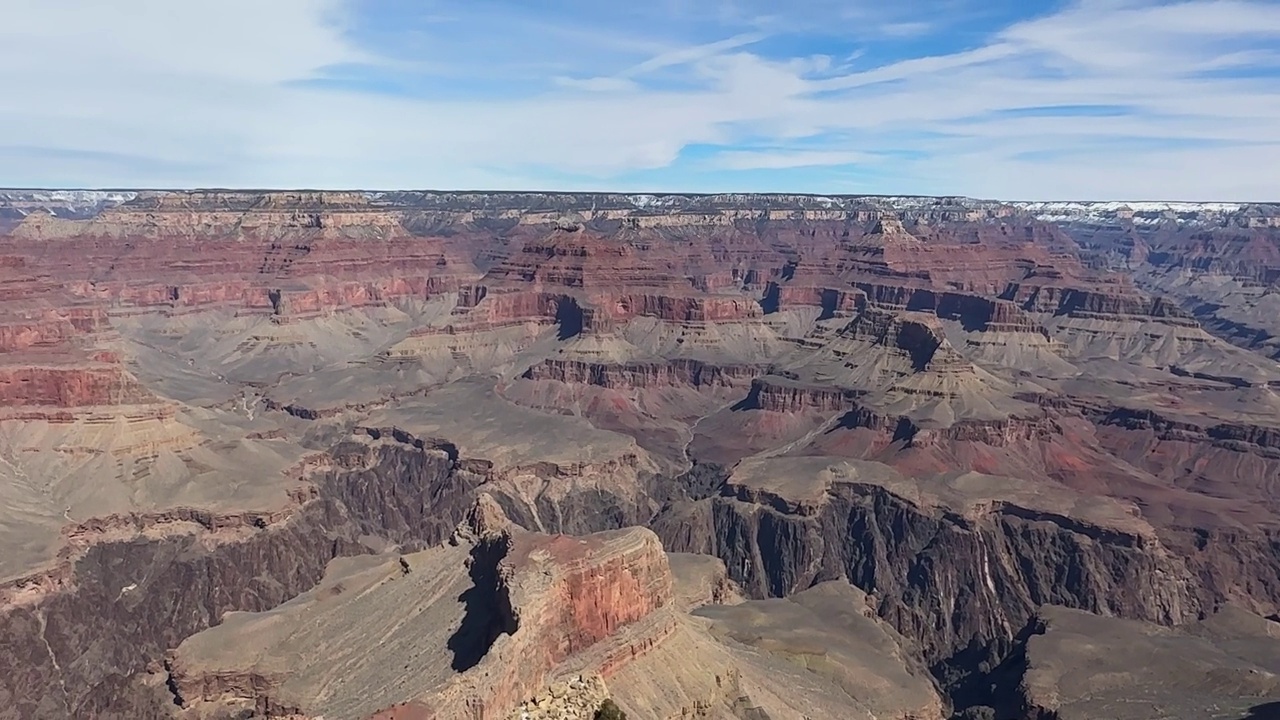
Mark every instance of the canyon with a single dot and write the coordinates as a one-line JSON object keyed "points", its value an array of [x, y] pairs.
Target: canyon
{"points": [[430, 455]]}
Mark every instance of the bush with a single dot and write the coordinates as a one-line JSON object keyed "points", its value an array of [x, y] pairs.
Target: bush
{"points": [[609, 710]]}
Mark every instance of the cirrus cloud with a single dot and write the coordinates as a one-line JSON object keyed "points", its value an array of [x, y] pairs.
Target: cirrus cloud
{"points": [[1095, 99]]}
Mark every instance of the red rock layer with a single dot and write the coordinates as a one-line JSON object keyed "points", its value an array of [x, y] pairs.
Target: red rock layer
{"points": [[578, 260], [24, 330], [70, 387], [613, 278], [281, 252], [566, 595], [596, 596]]}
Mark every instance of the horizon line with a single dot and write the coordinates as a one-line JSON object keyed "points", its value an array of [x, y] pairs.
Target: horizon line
{"points": [[437, 191]]}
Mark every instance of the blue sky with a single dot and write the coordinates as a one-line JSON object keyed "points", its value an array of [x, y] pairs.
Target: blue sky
{"points": [[1027, 99]]}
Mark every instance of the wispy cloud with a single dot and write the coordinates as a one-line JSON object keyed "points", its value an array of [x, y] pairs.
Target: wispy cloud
{"points": [[778, 159], [597, 84], [692, 54], [905, 29], [1098, 98]]}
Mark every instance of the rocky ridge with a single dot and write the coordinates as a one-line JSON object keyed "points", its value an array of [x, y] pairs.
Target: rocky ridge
{"points": [[517, 647]]}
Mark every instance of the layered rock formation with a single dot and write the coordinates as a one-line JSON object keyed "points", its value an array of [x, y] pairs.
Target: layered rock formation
{"points": [[494, 617], [239, 402], [964, 558], [503, 623]]}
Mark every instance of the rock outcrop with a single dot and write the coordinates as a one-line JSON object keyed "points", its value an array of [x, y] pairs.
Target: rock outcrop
{"points": [[496, 613], [578, 698], [506, 624], [555, 597]]}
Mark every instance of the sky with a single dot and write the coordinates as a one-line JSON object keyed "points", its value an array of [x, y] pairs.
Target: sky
{"points": [[1008, 99]]}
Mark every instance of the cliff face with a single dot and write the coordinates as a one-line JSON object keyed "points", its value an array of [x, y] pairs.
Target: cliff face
{"points": [[776, 394], [692, 373], [403, 489], [70, 387], [130, 588], [539, 624], [288, 254], [950, 577], [76, 651], [138, 586], [26, 330], [560, 596]]}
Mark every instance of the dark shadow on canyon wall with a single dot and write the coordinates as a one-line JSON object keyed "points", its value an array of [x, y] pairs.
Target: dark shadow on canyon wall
{"points": [[1265, 711], [570, 319], [488, 608]]}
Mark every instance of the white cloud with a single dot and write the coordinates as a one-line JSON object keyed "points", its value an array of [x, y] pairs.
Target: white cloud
{"points": [[781, 159], [1105, 36], [165, 83], [686, 55], [1241, 172], [917, 67], [243, 40], [144, 92]]}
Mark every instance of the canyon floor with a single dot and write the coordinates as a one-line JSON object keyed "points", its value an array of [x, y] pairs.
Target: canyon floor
{"points": [[508, 455]]}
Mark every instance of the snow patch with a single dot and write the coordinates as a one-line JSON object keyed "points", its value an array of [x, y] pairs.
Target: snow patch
{"points": [[1142, 212]]}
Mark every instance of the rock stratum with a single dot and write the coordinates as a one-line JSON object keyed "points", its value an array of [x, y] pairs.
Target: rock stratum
{"points": [[508, 455]]}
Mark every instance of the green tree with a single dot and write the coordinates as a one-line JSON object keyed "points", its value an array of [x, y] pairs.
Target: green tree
{"points": [[609, 710], [977, 712]]}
